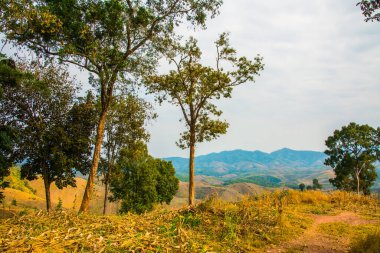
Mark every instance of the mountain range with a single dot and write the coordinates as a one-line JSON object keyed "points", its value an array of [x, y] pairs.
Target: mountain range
{"points": [[284, 167]]}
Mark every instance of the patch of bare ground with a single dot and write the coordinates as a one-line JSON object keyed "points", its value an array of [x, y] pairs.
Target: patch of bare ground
{"points": [[315, 241]]}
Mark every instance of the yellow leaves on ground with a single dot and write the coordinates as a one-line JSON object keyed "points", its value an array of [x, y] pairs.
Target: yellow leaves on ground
{"points": [[213, 225]]}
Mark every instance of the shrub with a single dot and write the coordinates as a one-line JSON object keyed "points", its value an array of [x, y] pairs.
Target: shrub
{"points": [[367, 244]]}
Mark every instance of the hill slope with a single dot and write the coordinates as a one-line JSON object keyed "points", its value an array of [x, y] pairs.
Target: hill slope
{"points": [[282, 167]]}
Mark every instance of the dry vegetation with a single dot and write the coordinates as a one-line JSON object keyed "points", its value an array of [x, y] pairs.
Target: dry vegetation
{"points": [[254, 224]]}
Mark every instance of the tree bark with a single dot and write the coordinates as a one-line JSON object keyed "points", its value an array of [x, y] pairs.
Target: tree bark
{"points": [[95, 162], [47, 193], [191, 170], [105, 197], [358, 183]]}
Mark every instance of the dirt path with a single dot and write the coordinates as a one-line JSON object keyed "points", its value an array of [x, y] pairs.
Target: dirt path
{"points": [[313, 241]]}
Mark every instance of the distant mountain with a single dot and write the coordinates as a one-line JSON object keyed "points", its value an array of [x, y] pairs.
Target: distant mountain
{"points": [[282, 167]]}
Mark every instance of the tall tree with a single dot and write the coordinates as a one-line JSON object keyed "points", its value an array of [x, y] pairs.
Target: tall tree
{"points": [[110, 38], [352, 152], [193, 87], [370, 9], [125, 126], [140, 180], [54, 134], [9, 76]]}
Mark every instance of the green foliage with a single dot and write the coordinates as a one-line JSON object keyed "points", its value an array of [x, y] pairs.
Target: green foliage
{"points": [[14, 202], [9, 77], [116, 41], [125, 126], [352, 152], [140, 180], [167, 183], [54, 132], [192, 86], [370, 9], [267, 181], [15, 181], [59, 205], [316, 184], [302, 186]]}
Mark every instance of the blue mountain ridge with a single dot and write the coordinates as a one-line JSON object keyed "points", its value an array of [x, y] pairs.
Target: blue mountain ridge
{"points": [[281, 167]]}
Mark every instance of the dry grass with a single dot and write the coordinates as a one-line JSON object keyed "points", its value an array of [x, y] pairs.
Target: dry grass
{"points": [[214, 225]]}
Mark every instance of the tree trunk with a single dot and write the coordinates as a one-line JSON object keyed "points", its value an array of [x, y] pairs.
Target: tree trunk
{"points": [[358, 182], [191, 170], [47, 193], [106, 178], [105, 197], [95, 162]]}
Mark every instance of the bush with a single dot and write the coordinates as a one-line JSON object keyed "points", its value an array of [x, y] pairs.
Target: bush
{"points": [[367, 244]]}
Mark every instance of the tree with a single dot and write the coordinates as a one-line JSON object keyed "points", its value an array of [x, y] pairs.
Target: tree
{"points": [[352, 152], [301, 186], [370, 9], [309, 188], [140, 180], [316, 184], [192, 87], [54, 133], [125, 126], [112, 39], [167, 183], [8, 135]]}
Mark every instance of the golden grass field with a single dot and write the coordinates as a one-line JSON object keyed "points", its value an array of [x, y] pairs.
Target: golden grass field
{"points": [[279, 221]]}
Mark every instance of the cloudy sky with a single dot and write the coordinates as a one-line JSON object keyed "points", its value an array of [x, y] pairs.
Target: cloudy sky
{"points": [[322, 69]]}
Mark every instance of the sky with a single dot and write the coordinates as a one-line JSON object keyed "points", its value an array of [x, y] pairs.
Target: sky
{"points": [[322, 69]]}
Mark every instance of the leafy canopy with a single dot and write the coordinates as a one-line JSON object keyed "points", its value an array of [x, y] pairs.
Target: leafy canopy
{"points": [[193, 87], [370, 9], [54, 132], [140, 180], [352, 152]]}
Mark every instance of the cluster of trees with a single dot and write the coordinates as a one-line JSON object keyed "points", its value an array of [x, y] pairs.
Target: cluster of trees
{"points": [[55, 134], [316, 186], [119, 44]]}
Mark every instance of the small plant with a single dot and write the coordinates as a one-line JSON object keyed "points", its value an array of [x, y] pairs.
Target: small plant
{"points": [[59, 205], [14, 202]]}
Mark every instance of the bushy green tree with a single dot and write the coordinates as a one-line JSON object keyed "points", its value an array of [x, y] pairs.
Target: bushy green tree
{"points": [[112, 39], [9, 76], [301, 186], [352, 152], [194, 88], [140, 180], [316, 184], [54, 132], [125, 126]]}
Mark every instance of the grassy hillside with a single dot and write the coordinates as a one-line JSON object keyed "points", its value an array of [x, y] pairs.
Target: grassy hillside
{"points": [[281, 221], [285, 167], [32, 194]]}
